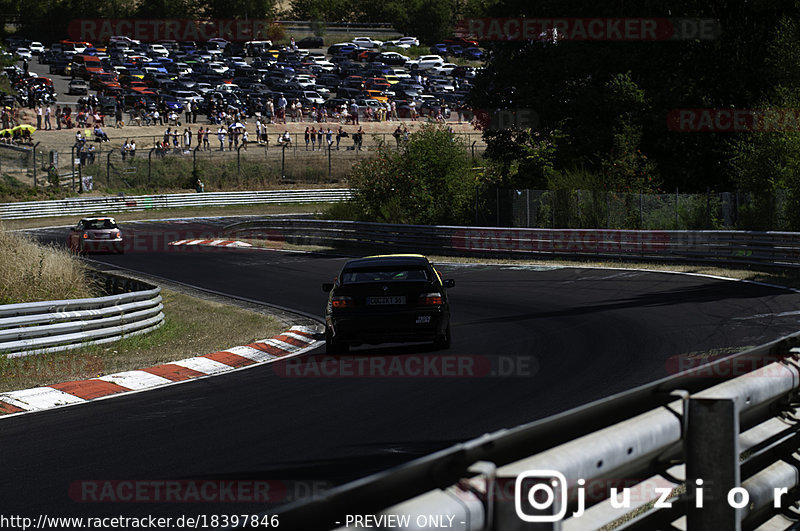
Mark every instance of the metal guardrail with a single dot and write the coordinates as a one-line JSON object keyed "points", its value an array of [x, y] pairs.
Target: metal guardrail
{"points": [[50, 326], [688, 437], [111, 204], [710, 445], [781, 249]]}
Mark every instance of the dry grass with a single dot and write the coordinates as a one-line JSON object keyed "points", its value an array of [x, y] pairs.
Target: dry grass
{"points": [[193, 327], [32, 272]]}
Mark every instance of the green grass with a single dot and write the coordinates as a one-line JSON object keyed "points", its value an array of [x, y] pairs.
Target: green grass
{"points": [[192, 327]]}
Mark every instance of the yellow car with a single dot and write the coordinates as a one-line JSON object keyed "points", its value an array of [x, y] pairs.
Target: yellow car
{"points": [[377, 95]]}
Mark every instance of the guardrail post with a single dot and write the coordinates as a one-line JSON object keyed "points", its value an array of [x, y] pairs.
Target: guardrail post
{"points": [[108, 168], [149, 164], [194, 161], [72, 160], [34, 163], [283, 161], [712, 464]]}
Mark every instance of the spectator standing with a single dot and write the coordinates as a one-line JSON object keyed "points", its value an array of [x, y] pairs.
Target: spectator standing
{"points": [[47, 125], [39, 113], [188, 109], [313, 134], [221, 138], [339, 135], [354, 111], [307, 135], [58, 117], [282, 109]]}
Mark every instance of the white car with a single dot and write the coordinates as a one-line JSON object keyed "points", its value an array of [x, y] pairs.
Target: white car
{"points": [[367, 42], [410, 41], [157, 50], [403, 42], [217, 68], [23, 53], [443, 70], [426, 62], [305, 82], [326, 65], [183, 69], [401, 73], [36, 47]]}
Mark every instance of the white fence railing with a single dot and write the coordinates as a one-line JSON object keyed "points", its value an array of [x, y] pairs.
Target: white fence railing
{"points": [[50, 326], [112, 204]]}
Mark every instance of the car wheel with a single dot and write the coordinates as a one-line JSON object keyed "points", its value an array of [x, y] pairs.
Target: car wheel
{"points": [[334, 347], [442, 342]]}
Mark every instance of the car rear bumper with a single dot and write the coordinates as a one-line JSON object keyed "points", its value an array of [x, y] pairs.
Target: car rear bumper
{"points": [[103, 245], [388, 327]]}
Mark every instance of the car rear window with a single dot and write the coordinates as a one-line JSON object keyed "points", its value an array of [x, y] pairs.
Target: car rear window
{"points": [[384, 274], [99, 224]]}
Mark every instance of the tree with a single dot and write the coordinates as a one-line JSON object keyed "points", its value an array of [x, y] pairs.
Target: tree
{"points": [[610, 98], [428, 181]]}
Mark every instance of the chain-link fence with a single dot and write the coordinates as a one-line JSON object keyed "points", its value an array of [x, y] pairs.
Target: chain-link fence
{"points": [[219, 165], [582, 209]]}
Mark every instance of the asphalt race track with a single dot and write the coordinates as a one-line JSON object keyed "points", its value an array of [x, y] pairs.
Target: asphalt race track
{"points": [[527, 342]]}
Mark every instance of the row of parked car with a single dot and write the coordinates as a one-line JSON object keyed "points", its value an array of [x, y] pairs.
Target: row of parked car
{"points": [[247, 76]]}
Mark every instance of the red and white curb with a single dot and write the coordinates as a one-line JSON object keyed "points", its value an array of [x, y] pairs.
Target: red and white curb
{"points": [[295, 341], [211, 243]]}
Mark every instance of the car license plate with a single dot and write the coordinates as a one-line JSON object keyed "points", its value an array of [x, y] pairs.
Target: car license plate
{"points": [[375, 301]]}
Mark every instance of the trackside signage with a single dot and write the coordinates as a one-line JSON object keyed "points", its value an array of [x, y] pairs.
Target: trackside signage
{"points": [[594, 241], [102, 29]]}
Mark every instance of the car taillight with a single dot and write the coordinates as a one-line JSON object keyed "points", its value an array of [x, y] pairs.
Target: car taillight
{"points": [[431, 299], [341, 301], [85, 235]]}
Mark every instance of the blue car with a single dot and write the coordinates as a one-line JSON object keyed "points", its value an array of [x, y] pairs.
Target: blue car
{"points": [[473, 54], [439, 49], [172, 103]]}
